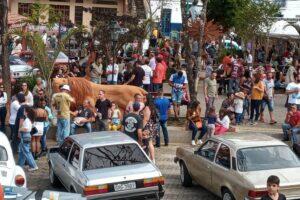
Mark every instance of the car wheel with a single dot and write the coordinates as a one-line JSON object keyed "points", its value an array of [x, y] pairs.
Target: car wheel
{"points": [[53, 178], [227, 195], [185, 177]]}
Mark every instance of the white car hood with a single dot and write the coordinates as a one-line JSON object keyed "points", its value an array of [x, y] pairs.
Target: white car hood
{"points": [[20, 68]]}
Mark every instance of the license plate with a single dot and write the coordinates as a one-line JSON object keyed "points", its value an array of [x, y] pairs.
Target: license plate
{"points": [[124, 186]]}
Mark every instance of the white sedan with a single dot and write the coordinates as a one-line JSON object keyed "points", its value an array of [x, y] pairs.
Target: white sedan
{"points": [[10, 173]]}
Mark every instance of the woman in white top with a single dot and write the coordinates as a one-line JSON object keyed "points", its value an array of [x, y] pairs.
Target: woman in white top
{"points": [[223, 123], [148, 75], [28, 94], [3, 111], [14, 106]]}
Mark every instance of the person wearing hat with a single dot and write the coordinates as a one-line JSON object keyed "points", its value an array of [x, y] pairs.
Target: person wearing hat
{"points": [[61, 103], [291, 122], [133, 124], [238, 106]]}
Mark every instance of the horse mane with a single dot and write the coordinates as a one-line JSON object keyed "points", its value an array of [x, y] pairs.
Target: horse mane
{"points": [[80, 89]]}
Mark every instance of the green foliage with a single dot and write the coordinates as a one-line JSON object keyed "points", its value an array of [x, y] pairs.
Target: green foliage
{"points": [[224, 11], [254, 18], [30, 80]]}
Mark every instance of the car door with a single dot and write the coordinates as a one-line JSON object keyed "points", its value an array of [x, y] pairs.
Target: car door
{"points": [[203, 161], [72, 167], [61, 161], [221, 169]]}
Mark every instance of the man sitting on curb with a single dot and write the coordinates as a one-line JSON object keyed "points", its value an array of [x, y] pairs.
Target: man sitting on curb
{"points": [[83, 118], [292, 123]]}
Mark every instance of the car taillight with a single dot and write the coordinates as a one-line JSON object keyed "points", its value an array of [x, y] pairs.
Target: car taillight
{"points": [[96, 189], [150, 182], [256, 194], [19, 180]]}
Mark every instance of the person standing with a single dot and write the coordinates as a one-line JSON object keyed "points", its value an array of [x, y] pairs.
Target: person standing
{"points": [[61, 102], [268, 99], [158, 75], [195, 122], [102, 107], [148, 75], [96, 71], [163, 105], [25, 137], [28, 94], [256, 98], [293, 92], [112, 72], [14, 106], [210, 91], [138, 75], [236, 74], [178, 83], [133, 124], [39, 86], [249, 61], [3, 111]]}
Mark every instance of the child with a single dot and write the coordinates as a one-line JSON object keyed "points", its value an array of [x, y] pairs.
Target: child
{"points": [[273, 189], [115, 116], [238, 107], [211, 122]]}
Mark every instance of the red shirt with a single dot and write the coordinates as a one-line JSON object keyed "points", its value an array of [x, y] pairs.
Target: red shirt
{"points": [[295, 119], [158, 74], [165, 69]]}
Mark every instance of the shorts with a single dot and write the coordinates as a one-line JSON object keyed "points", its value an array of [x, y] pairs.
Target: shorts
{"points": [[269, 103], [177, 96]]}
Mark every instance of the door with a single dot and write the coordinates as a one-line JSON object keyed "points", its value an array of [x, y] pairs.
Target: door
{"points": [[61, 161], [203, 162]]}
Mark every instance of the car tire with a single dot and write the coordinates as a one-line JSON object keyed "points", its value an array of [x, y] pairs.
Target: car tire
{"points": [[52, 177], [185, 177], [227, 195]]}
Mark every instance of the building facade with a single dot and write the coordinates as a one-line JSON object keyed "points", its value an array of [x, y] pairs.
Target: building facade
{"points": [[82, 12]]}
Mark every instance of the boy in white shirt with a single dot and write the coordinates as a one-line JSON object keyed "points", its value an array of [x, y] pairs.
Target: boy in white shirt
{"points": [[238, 107]]}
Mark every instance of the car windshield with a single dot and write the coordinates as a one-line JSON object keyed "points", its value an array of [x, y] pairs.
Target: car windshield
{"points": [[113, 156], [3, 154], [266, 158], [16, 61]]}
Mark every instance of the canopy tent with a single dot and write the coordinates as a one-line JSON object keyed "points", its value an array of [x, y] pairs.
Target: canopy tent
{"points": [[284, 30], [15, 20]]}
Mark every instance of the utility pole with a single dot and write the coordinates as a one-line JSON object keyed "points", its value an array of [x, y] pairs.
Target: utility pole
{"points": [[5, 54]]}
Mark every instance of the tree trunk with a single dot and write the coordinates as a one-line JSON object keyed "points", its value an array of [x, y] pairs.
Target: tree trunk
{"points": [[201, 40], [187, 52], [5, 53]]}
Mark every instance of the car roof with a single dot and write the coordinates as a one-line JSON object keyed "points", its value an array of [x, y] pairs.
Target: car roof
{"points": [[103, 138], [246, 140]]}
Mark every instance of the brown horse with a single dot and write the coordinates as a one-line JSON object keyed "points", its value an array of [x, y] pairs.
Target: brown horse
{"points": [[82, 89]]}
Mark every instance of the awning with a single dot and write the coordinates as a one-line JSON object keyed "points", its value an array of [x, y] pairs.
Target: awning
{"points": [[282, 29], [15, 20]]}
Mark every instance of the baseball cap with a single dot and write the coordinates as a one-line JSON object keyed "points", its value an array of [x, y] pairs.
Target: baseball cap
{"points": [[136, 106], [65, 87]]}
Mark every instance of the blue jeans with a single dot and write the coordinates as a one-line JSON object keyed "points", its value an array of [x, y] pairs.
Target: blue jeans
{"points": [[87, 126], [255, 106], [163, 124], [195, 130], [2, 118], [238, 118], [295, 132], [14, 138], [269, 103], [25, 154], [63, 129], [285, 128], [157, 87], [44, 138], [233, 85]]}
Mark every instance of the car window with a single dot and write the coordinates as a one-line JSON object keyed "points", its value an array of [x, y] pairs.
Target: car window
{"points": [[65, 148], [223, 156], [74, 156], [113, 156], [3, 154], [208, 150]]}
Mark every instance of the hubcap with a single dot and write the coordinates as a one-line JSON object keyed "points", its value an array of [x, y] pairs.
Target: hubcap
{"points": [[227, 196], [181, 173]]}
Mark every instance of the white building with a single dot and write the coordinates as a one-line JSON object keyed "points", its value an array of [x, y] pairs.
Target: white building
{"points": [[290, 9]]}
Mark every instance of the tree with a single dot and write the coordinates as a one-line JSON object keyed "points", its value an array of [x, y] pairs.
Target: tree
{"points": [[5, 55]]}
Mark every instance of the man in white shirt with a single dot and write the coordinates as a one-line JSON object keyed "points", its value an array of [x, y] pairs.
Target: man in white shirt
{"points": [[112, 72], [148, 75], [249, 60], [293, 90]]}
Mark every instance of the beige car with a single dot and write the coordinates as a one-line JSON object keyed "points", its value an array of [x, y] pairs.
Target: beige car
{"points": [[236, 166]]}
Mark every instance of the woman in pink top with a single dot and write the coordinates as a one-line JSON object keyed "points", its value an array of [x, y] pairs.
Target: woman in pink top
{"points": [[158, 75]]}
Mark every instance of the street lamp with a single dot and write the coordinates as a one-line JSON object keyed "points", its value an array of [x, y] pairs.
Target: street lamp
{"points": [[115, 30]]}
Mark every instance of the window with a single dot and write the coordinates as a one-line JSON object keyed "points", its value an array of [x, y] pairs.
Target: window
{"points": [[113, 156], [223, 156], [78, 15], [63, 10], [208, 150], [74, 156], [79, 1], [102, 11], [108, 2], [3, 154], [266, 158], [24, 9], [65, 148]]}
